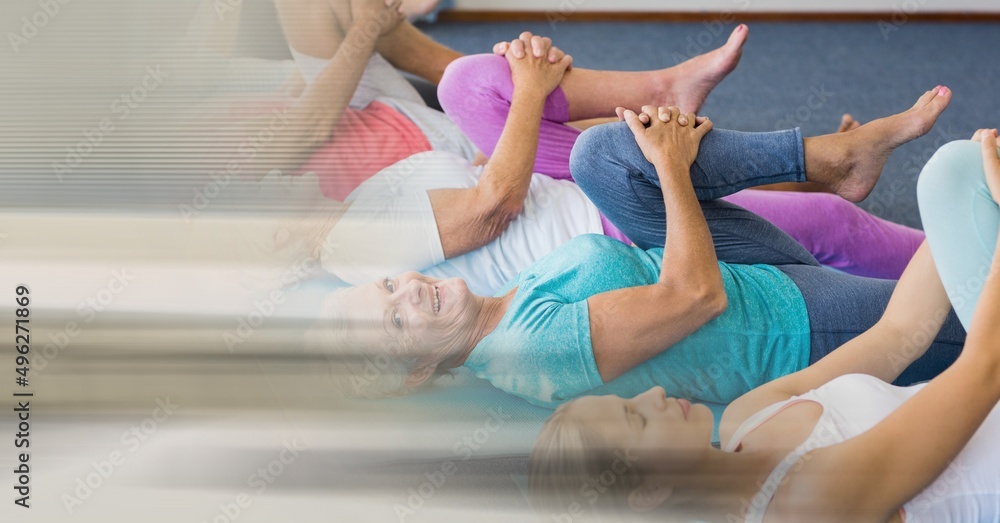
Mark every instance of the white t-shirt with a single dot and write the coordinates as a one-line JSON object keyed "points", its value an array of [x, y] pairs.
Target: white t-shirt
{"points": [[390, 229]]}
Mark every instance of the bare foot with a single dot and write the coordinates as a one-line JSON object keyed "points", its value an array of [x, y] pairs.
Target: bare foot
{"points": [[848, 123], [687, 85], [851, 162]]}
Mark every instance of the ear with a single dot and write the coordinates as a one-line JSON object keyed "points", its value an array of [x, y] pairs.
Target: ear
{"points": [[420, 375], [648, 496]]}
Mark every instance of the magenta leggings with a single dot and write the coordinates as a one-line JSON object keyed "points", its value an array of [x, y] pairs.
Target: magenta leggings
{"points": [[476, 92]]}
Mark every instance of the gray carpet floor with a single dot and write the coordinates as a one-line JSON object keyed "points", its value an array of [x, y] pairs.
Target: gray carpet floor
{"points": [[861, 69]]}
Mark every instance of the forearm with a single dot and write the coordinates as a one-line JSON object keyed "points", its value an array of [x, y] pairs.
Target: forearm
{"points": [[689, 254], [331, 92], [632, 325], [964, 395], [969, 390], [310, 122], [914, 316], [985, 329], [409, 50], [507, 176], [468, 219]]}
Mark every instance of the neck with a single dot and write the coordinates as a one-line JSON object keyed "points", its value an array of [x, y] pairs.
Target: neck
{"points": [[490, 312], [723, 486]]}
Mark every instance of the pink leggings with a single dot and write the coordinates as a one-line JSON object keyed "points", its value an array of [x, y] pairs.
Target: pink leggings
{"points": [[476, 92]]}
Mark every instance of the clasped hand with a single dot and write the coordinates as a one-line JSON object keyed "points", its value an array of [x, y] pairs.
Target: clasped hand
{"points": [[535, 63], [665, 135]]}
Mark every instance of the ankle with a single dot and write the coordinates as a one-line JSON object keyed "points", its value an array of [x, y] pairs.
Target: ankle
{"points": [[828, 160], [661, 86]]}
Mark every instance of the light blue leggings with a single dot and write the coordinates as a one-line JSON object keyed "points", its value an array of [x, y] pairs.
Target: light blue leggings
{"points": [[961, 220]]}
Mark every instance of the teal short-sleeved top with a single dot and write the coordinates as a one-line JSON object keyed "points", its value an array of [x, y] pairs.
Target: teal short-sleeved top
{"points": [[541, 350]]}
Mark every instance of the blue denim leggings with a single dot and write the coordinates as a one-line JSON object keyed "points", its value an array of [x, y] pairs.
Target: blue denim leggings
{"points": [[611, 169]]}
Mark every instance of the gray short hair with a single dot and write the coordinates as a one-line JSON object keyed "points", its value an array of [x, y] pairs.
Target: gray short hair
{"points": [[362, 368]]}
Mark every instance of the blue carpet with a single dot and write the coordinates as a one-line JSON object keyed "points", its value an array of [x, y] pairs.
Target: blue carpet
{"points": [[784, 64]]}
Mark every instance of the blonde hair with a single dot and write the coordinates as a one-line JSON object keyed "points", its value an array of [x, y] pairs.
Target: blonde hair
{"points": [[567, 462]]}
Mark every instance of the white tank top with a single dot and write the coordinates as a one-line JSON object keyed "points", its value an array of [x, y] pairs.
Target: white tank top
{"points": [[968, 491], [382, 82], [390, 226]]}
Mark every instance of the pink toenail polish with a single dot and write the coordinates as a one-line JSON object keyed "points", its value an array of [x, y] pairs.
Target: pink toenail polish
{"points": [[942, 91]]}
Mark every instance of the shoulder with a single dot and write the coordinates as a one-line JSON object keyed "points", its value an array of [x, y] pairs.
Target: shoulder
{"points": [[771, 420]]}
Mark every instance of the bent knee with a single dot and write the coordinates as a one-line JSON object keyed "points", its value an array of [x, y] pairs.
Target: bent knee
{"points": [[594, 148], [956, 168], [469, 77]]}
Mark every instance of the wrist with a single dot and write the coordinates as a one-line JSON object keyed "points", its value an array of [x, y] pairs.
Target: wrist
{"points": [[358, 36], [670, 166], [529, 97], [530, 92]]}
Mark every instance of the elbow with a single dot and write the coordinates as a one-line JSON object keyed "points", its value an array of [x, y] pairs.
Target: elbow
{"points": [[493, 222], [508, 210], [711, 301], [498, 215], [500, 219]]}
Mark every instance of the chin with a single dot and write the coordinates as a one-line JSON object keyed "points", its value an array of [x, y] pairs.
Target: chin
{"points": [[703, 412], [458, 289]]}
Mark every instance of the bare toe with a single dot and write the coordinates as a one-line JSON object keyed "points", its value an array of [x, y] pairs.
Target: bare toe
{"points": [[691, 82], [927, 110], [871, 146], [847, 122]]}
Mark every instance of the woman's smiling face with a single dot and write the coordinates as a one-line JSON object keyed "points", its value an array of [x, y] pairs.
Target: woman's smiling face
{"points": [[426, 315]]}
